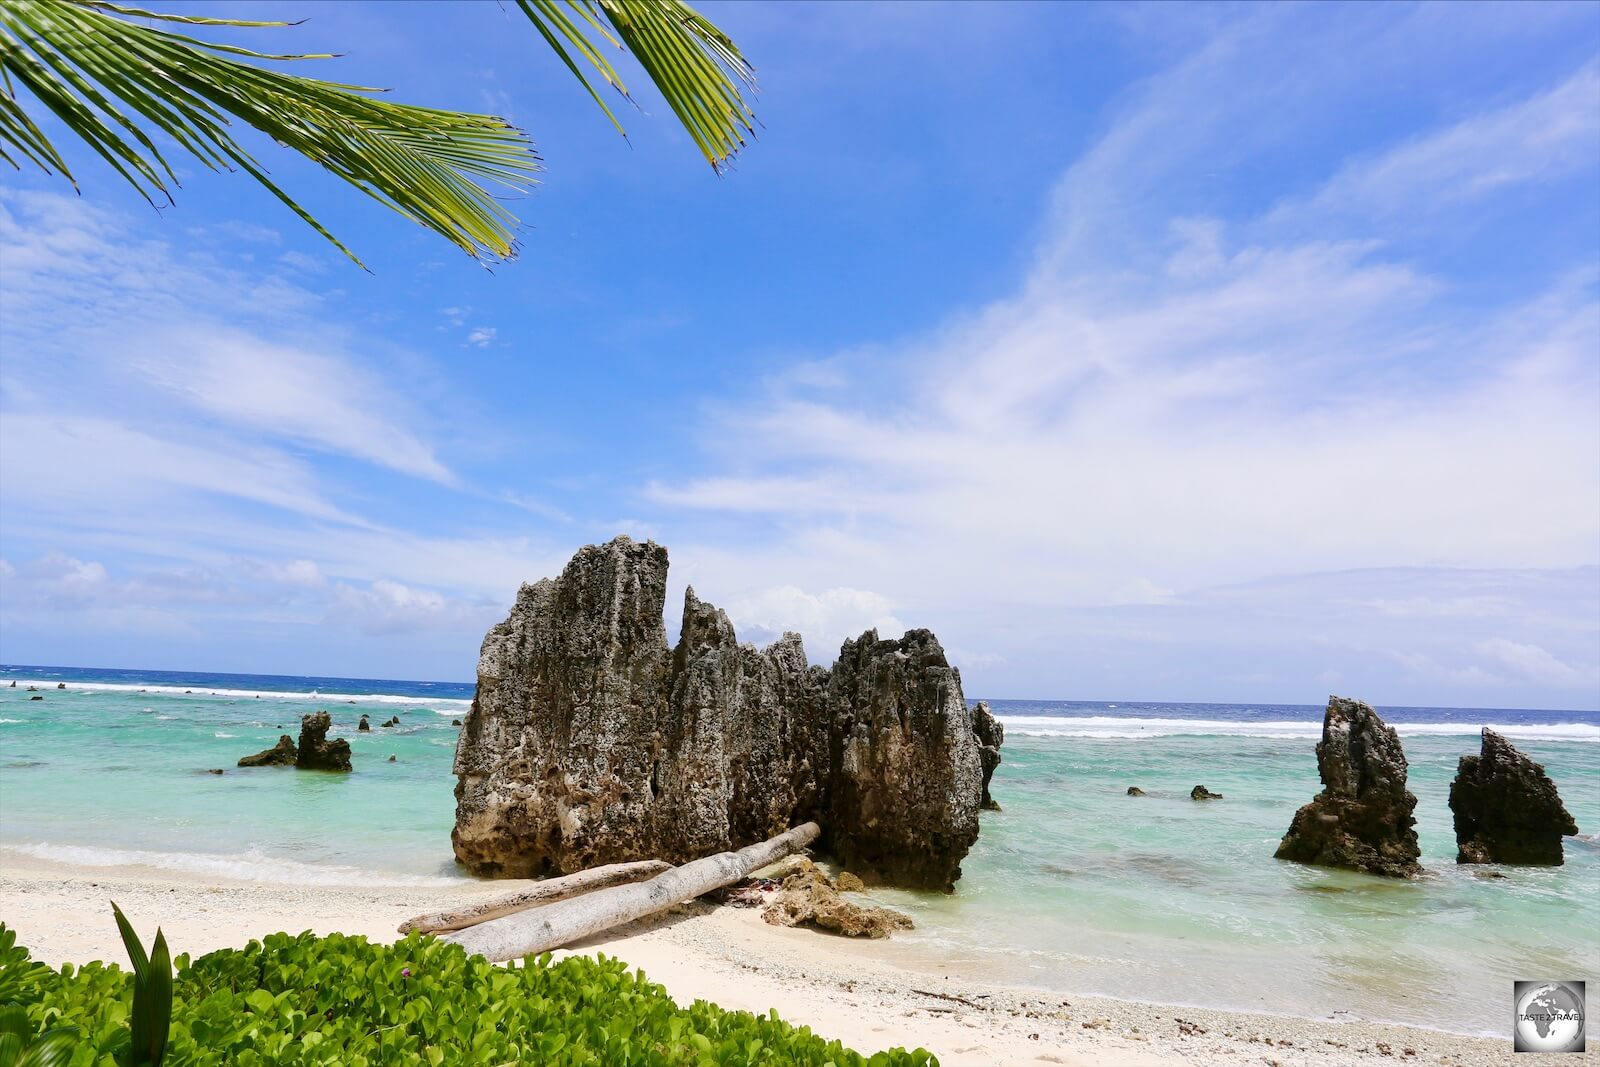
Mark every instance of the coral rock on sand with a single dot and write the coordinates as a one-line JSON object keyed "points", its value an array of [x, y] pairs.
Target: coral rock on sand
{"points": [[806, 897], [1200, 792], [1135, 791], [1506, 808], [592, 742], [317, 753], [991, 735], [1362, 819], [849, 883], [281, 754]]}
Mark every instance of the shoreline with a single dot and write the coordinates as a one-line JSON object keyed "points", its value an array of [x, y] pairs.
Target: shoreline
{"points": [[856, 991]]}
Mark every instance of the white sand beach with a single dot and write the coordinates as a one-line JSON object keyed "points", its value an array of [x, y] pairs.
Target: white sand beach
{"points": [[847, 989]]}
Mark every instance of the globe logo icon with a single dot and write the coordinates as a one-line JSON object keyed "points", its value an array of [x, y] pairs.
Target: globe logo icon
{"points": [[1549, 1017]]}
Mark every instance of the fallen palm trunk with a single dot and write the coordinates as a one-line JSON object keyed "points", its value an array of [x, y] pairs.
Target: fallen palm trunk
{"points": [[561, 923], [546, 892]]}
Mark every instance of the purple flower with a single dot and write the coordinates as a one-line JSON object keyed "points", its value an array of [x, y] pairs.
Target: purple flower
{"points": [[405, 972]]}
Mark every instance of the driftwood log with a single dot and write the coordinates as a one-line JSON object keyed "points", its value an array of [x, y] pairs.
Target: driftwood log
{"points": [[530, 932], [546, 892]]}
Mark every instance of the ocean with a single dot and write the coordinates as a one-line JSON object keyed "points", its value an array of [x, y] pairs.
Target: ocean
{"points": [[1073, 887]]}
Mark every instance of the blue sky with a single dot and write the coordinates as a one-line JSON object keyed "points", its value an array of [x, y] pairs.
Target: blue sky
{"points": [[1141, 352]]}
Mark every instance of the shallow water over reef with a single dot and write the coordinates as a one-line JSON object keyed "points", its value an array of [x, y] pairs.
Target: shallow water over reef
{"points": [[1073, 886]]}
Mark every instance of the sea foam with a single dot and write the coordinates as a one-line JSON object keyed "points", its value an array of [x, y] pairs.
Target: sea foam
{"points": [[431, 703], [1117, 727], [252, 865]]}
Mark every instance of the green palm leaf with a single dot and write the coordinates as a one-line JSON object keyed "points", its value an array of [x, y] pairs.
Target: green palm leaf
{"points": [[86, 63], [697, 68], [120, 86]]}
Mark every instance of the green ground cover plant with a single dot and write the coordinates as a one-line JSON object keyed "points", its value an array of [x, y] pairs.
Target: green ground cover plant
{"points": [[303, 999]]}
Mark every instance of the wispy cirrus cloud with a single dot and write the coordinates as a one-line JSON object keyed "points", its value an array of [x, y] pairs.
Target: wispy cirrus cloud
{"points": [[1171, 403], [1542, 138], [287, 391]]}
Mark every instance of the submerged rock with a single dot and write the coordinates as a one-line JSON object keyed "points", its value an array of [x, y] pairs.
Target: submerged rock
{"points": [[1362, 819], [591, 742], [1135, 791], [282, 754], [807, 898], [1200, 792], [991, 735], [1506, 808], [317, 753]]}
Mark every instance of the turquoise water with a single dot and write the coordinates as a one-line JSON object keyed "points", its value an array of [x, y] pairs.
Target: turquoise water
{"points": [[1073, 886]]}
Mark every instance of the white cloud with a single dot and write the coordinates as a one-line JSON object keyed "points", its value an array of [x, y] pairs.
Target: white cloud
{"points": [[823, 619], [1539, 139], [1173, 403], [82, 467], [287, 391], [303, 263], [481, 336], [1536, 664], [386, 606]]}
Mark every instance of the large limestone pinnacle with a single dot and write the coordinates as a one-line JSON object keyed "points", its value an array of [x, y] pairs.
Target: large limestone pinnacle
{"points": [[590, 742]]}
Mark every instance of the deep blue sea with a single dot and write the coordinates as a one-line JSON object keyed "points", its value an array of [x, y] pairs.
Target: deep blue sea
{"points": [[1072, 886]]}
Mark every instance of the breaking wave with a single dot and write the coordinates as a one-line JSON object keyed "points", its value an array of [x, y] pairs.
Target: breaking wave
{"points": [[252, 865], [1114, 727]]}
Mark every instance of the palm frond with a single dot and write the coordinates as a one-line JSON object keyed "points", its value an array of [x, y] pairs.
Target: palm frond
{"points": [[79, 58], [696, 67]]}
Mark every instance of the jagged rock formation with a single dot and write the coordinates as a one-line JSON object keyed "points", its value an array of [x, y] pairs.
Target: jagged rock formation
{"points": [[281, 754], [991, 735], [591, 742], [316, 752], [806, 897], [1200, 792], [1506, 808], [1362, 818]]}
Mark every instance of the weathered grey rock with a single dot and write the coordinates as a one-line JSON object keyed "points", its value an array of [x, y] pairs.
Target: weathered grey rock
{"points": [[558, 766], [589, 742], [1200, 792], [905, 778], [808, 898], [281, 754], [316, 752], [1362, 819], [1506, 808], [991, 735]]}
